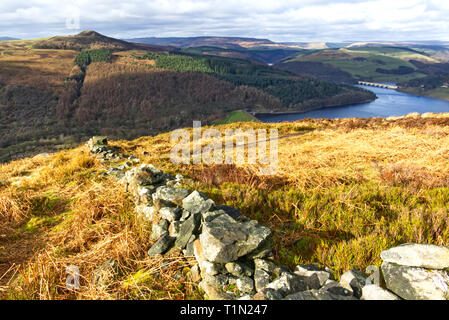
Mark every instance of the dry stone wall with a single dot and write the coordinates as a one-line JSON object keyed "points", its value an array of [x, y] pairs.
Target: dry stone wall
{"points": [[234, 255]]}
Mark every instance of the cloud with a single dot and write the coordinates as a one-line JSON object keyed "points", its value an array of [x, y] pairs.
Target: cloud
{"points": [[282, 20]]}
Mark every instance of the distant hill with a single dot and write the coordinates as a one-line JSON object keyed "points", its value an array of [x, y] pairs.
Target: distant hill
{"points": [[221, 42], [90, 40], [8, 39]]}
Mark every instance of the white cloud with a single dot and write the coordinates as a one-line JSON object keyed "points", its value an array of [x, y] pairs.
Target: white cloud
{"points": [[282, 20]]}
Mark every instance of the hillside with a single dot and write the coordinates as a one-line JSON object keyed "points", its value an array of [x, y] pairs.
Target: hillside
{"points": [[53, 98], [345, 191], [258, 50], [377, 64], [89, 40]]}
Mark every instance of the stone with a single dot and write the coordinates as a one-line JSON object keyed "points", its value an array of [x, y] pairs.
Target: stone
{"points": [[161, 246], [245, 285], [170, 214], [225, 240], [144, 175], [171, 195], [217, 287], [159, 229], [197, 203], [317, 295], [374, 292], [287, 284], [268, 294], [239, 269], [265, 272], [173, 229], [187, 230], [313, 276], [418, 255], [411, 283], [354, 280], [189, 251], [337, 291], [184, 215], [207, 268], [195, 273], [232, 212]]}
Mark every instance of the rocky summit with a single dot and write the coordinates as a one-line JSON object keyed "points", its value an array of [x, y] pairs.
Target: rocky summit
{"points": [[234, 256]]}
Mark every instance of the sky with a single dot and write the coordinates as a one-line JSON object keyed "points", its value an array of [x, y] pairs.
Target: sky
{"points": [[277, 20]]}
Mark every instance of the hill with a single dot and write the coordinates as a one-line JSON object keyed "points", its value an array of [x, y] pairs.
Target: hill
{"points": [[89, 40], [53, 98], [8, 39], [377, 64], [345, 190], [259, 50]]}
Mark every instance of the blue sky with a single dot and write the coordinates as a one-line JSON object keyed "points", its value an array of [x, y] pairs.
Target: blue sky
{"points": [[281, 20]]}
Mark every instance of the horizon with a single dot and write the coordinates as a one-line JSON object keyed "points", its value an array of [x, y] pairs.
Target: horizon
{"points": [[284, 21]]}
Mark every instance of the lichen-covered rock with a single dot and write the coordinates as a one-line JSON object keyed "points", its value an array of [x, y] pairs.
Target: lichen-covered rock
{"points": [[268, 294], [245, 285], [413, 283], [313, 276], [354, 280], [317, 295], [188, 229], [159, 229], [169, 195], [287, 284], [374, 292], [207, 268], [104, 274], [170, 214], [161, 246], [418, 255], [240, 269], [219, 287], [197, 203], [225, 240], [265, 272], [144, 175]]}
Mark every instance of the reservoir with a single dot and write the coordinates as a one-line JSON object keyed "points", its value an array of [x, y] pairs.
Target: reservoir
{"points": [[389, 103]]}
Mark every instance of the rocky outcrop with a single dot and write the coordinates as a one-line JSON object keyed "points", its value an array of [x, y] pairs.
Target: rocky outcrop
{"points": [[234, 256]]}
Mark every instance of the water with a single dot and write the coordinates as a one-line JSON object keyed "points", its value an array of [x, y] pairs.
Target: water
{"points": [[389, 103]]}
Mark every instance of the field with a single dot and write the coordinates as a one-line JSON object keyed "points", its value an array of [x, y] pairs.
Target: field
{"points": [[345, 190], [237, 116], [438, 93]]}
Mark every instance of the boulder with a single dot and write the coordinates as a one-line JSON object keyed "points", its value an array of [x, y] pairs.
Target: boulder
{"points": [[188, 229], [239, 269], [225, 240], [418, 255], [313, 275], [169, 195], [265, 272], [354, 280], [374, 292], [219, 287], [170, 214], [287, 284], [413, 283], [245, 285], [197, 203], [159, 229], [161, 246]]}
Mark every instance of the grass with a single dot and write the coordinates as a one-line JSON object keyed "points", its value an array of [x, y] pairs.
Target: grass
{"points": [[438, 93], [345, 190], [237, 116]]}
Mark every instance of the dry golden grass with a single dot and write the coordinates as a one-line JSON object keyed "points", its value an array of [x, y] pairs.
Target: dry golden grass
{"points": [[44, 69], [77, 218], [345, 191]]}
